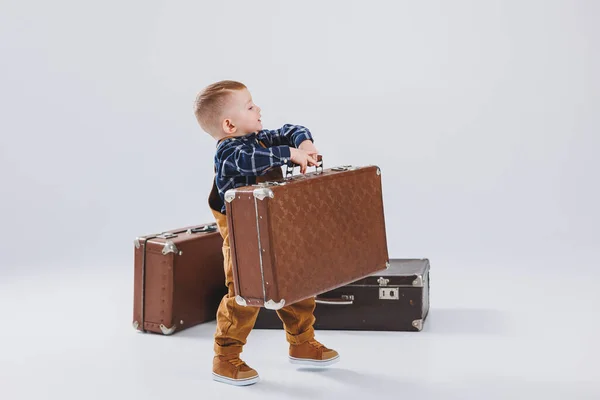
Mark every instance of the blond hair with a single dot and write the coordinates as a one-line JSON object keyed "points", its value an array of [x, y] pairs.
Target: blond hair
{"points": [[211, 101]]}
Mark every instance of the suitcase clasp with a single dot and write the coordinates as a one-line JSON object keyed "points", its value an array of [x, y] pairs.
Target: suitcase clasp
{"points": [[166, 235], [383, 281]]}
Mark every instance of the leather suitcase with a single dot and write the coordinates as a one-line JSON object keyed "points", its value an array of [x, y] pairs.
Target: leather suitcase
{"points": [[303, 235], [396, 300], [179, 279]]}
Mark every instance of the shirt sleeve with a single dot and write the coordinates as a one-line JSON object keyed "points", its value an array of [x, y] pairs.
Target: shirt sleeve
{"points": [[288, 135], [248, 160]]}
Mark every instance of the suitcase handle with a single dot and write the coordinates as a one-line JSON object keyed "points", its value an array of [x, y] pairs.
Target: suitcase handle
{"points": [[344, 301], [289, 167], [205, 228], [168, 235]]}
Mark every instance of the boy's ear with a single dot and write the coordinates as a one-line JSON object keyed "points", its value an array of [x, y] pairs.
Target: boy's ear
{"points": [[229, 127]]}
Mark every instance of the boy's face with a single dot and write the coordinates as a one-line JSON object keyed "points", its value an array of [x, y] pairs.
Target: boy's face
{"points": [[242, 116]]}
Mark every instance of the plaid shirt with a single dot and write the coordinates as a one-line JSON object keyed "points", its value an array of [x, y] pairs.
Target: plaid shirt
{"points": [[239, 160]]}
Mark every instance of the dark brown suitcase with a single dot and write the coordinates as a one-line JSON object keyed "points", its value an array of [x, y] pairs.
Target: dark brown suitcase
{"points": [[179, 279], [396, 300], [303, 235]]}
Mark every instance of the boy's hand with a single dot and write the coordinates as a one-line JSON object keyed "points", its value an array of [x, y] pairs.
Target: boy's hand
{"points": [[309, 147], [302, 158]]}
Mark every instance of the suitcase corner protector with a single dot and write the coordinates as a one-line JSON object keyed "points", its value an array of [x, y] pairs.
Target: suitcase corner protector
{"points": [[241, 301], [170, 248], [136, 325], [272, 305], [230, 195], [418, 282], [418, 324], [167, 331]]}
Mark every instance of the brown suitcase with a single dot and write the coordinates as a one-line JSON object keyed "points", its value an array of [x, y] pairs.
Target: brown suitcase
{"points": [[178, 279], [395, 300], [300, 236]]}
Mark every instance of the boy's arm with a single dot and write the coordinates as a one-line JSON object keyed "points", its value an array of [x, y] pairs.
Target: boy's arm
{"points": [[288, 134], [247, 160]]}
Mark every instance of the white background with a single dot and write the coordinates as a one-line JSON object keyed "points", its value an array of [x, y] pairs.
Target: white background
{"points": [[483, 116]]}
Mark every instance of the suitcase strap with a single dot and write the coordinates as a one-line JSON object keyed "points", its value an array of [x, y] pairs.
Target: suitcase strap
{"points": [[143, 295]]}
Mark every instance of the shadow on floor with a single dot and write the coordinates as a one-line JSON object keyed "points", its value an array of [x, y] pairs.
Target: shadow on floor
{"points": [[354, 382]]}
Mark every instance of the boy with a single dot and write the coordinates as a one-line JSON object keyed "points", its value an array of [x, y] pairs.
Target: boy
{"points": [[247, 154]]}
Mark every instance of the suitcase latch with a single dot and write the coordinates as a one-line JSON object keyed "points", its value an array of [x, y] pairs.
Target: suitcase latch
{"points": [[388, 293], [166, 235], [383, 281]]}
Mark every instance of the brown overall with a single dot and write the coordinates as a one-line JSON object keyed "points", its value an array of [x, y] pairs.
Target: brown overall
{"points": [[234, 322]]}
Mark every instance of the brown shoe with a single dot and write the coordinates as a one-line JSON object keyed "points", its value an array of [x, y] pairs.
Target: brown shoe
{"points": [[313, 354], [230, 369]]}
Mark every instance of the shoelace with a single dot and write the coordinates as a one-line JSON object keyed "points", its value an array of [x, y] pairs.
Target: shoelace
{"points": [[236, 362], [315, 344]]}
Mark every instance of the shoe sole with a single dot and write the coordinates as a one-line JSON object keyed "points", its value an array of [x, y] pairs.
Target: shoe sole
{"points": [[314, 363], [236, 382]]}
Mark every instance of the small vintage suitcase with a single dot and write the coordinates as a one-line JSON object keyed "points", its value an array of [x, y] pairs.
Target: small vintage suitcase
{"points": [[179, 279], [395, 300], [300, 236]]}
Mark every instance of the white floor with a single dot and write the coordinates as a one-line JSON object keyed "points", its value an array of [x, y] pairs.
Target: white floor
{"points": [[502, 331]]}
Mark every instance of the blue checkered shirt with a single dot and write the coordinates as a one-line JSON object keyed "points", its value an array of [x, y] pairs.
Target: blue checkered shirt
{"points": [[239, 160]]}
